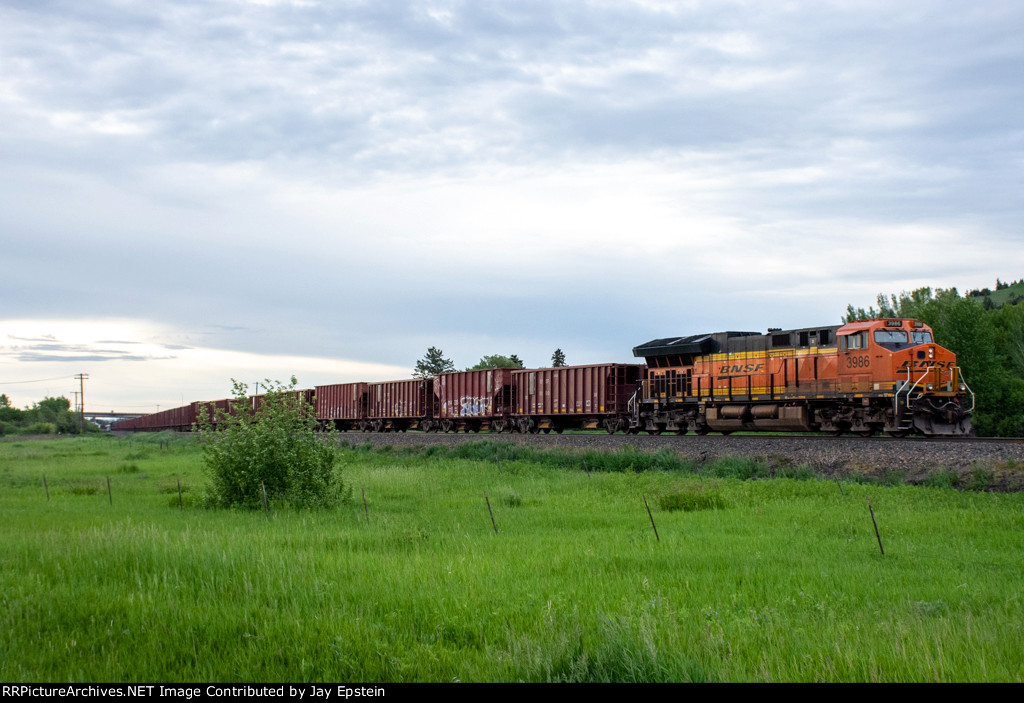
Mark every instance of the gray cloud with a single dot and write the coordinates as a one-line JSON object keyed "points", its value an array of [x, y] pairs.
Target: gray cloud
{"points": [[62, 352], [30, 356]]}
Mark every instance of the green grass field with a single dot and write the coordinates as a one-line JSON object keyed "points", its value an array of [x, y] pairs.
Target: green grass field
{"points": [[775, 579]]}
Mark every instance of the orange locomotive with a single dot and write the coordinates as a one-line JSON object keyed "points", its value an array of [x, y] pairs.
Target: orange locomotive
{"points": [[862, 377]]}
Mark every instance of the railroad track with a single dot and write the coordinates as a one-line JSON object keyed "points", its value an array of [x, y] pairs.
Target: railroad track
{"points": [[844, 455]]}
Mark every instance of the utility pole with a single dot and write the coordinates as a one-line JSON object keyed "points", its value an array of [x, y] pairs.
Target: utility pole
{"points": [[81, 390]]}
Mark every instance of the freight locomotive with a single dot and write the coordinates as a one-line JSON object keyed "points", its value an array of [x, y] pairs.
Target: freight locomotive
{"points": [[862, 377]]}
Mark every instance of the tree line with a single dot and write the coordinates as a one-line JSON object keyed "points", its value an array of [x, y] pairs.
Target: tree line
{"points": [[48, 416], [988, 340], [435, 362]]}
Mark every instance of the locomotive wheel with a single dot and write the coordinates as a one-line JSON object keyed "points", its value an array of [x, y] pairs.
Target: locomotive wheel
{"points": [[864, 433], [547, 430], [897, 434], [681, 431], [655, 432], [702, 430], [558, 430]]}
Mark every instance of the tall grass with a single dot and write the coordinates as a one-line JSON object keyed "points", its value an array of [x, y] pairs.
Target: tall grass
{"points": [[778, 580]]}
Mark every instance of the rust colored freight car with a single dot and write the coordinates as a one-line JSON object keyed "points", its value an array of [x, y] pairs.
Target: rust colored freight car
{"points": [[470, 401], [214, 409], [185, 417], [176, 419], [575, 397], [862, 377], [342, 405], [397, 406], [305, 397]]}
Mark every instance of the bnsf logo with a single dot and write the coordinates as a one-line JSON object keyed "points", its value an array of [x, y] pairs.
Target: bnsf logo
{"points": [[741, 368], [925, 364]]}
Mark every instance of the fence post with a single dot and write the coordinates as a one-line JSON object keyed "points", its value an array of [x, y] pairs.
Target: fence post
{"points": [[652, 519], [877, 536], [491, 512]]}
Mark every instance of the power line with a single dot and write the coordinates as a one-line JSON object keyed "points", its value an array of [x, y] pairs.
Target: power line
{"points": [[41, 380]]}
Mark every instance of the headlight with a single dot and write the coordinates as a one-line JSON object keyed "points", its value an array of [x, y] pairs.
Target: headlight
{"points": [[963, 387], [929, 386]]}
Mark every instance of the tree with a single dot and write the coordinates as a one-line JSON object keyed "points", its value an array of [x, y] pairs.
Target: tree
{"points": [[558, 358], [55, 412], [277, 447], [497, 361], [8, 413], [433, 364], [983, 340]]}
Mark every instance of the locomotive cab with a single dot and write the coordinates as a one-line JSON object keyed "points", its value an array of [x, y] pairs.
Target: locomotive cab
{"points": [[898, 360]]}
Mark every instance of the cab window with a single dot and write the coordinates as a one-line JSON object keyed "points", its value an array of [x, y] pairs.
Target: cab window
{"points": [[891, 339], [895, 340], [857, 340]]}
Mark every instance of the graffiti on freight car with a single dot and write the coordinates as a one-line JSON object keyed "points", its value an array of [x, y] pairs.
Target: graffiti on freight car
{"points": [[474, 405]]}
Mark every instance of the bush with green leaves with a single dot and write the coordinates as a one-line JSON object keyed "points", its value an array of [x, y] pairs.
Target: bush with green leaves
{"points": [[275, 444]]}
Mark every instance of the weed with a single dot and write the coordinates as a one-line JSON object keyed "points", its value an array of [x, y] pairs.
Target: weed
{"points": [[943, 478], [84, 490], [690, 500], [509, 497], [979, 478], [891, 477]]}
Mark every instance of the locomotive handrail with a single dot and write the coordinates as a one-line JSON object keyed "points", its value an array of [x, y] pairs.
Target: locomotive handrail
{"points": [[960, 373], [633, 408], [896, 399]]}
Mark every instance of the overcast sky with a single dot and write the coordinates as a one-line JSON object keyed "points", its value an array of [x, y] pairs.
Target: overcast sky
{"points": [[192, 191]]}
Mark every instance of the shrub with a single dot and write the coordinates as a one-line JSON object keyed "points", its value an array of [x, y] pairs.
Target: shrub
{"points": [[276, 446]]}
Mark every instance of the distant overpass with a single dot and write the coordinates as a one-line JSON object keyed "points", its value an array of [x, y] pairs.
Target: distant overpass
{"points": [[112, 415]]}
